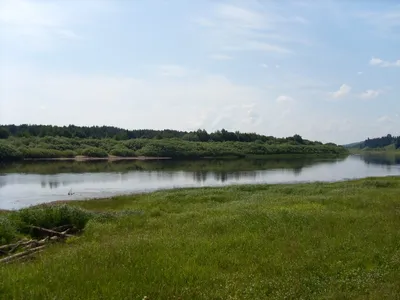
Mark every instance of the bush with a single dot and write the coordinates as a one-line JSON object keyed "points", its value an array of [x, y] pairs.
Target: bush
{"points": [[8, 230], [135, 144], [50, 216], [4, 133], [42, 153], [94, 152], [123, 152], [8, 152]]}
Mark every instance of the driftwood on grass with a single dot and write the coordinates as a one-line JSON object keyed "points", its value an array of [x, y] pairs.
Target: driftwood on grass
{"points": [[27, 248], [63, 227], [51, 232], [20, 254]]}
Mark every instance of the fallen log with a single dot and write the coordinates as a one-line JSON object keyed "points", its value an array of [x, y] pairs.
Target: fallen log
{"points": [[51, 232], [21, 254], [63, 227], [25, 257], [10, 248]]}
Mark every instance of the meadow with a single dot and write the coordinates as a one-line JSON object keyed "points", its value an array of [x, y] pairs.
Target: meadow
{"points": [[304, 241]]}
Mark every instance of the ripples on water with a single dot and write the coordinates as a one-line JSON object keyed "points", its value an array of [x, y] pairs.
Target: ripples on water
{"points": [[24, 184]]}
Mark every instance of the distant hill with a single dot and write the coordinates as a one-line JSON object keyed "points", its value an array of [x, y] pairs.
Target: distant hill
{"points": [[353, 145], [384, 142]]}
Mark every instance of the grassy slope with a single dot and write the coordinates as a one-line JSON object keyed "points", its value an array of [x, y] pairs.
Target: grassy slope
{"points": [[309, 241]]}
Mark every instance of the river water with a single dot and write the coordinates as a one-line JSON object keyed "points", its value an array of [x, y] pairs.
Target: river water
{"points": [[26, 184]]}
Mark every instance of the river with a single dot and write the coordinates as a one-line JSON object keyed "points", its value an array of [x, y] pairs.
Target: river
{"points": [[29, 183]]}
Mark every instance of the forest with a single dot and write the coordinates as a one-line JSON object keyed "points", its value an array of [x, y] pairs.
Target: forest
{"points": [[43, 141], [108, 132], [387, 141]]}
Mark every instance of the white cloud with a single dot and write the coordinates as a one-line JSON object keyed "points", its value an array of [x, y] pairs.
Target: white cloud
{"points": [[384, 119], [370, 94], [250, 27], [385, 22], [172, 70], [221, 57], [343, 91], [243, 17], [41, 25], [382, 63], [284, 99], [265, 66], [197, 100], [35, 19], [359, 73]]}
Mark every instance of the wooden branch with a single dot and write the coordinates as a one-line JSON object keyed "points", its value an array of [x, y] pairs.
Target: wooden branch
{"points": [[63, 227], [27, 256], [21, 254], [12, 247], [51, 232]]}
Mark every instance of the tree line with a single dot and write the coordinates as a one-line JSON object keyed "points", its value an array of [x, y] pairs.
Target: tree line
{"points": [[15, 148], [110, 132], [381, 142]]}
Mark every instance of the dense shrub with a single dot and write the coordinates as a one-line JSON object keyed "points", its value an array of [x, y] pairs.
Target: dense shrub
{"points": [[4, 133], [54, 147], [8, 230], [123, 152], [94, 152], [135, 144], [14, 225], [46, 153], [50, 216], [8, 152]]}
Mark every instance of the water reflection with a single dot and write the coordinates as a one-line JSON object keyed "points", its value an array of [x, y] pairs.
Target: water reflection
{"points": [[24, 184], [381, 159]]}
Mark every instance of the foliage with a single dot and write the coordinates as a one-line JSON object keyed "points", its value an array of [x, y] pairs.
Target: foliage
{"points": [[108, 132], [54, 147], [35, 153], [50, 216], [94, 152], [305, 241], [15, 224], [378, 143], [4, 133], [122, 152], [9, 152], [8, 230]]}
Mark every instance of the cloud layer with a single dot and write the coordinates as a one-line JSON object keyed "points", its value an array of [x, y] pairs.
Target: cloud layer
{"points": [[271, 67]]}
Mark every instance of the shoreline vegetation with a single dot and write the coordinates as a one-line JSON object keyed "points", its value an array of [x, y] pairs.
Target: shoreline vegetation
{"points": [[88, 158], [388, 144], [297, 241], [36, 142]]}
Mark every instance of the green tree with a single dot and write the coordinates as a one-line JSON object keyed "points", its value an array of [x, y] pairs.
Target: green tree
{"points": [[4, 133]]}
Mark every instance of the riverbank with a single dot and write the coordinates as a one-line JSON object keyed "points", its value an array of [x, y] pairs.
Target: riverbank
{"points": [[310, 241], [111, 158], [17, 148]]}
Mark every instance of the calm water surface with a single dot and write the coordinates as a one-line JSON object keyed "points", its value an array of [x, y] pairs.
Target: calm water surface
{"points": [[25, 184]]}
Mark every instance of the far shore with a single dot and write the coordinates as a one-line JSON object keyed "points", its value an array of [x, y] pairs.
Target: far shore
{"points": [[109, 158]]}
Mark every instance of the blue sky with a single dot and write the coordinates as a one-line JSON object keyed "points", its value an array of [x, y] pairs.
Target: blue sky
{"points": [[328, 70]]}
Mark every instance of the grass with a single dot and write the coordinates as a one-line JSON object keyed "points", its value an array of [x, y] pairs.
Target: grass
{"points": [[14, 225], [305, 241]]}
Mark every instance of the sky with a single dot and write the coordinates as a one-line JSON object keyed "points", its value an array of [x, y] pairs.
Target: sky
{"points": [[327, 70]]}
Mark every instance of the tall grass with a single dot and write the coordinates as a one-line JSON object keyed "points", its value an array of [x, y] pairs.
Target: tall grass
{"points": [[306, 241], [14, 225]]}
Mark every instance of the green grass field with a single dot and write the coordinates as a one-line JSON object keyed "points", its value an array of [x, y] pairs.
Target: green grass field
{"points": [[306, 241]]}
